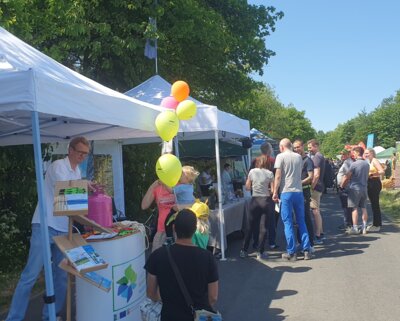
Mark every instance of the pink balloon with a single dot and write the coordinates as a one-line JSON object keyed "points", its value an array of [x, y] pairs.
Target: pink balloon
{"points": [[169, 102]]}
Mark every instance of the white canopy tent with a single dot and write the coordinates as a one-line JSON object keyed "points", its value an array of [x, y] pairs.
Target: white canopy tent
{"points": [[42, 101], [203, 126], [209, 123]]}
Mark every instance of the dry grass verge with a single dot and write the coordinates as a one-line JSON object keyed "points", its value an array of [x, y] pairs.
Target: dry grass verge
{"points": [[390, 204]]}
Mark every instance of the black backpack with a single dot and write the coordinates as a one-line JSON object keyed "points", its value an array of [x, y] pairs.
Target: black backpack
{"points": [[329, 175]]}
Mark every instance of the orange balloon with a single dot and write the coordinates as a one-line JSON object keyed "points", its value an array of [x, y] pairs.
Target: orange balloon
{"points": [[180, 90]]}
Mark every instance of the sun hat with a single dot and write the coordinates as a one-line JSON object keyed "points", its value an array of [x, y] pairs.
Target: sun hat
{"points": [[201, 209]]}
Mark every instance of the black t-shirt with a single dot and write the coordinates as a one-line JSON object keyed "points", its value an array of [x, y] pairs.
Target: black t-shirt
{"points": [[308, 166], [197, 267]]}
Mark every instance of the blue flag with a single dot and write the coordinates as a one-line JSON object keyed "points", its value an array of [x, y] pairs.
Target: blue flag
{"points": [[150, 49]]}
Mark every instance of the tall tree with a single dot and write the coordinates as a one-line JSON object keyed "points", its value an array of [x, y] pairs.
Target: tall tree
{"points": [[214, 45], [385, 121]]}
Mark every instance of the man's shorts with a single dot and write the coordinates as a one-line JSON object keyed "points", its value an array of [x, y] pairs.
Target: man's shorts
{"points": [[356, 198], [315, 199]]}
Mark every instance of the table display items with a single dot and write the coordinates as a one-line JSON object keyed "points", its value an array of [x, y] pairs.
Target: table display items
{"points": [[85, 259], [71, 200]]}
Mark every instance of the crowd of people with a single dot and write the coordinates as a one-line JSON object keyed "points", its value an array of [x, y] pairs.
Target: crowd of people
{"points": [[287, 187], [299, 179]]}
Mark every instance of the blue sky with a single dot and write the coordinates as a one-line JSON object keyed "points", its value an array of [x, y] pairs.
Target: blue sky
{"points": [[334, 58]]}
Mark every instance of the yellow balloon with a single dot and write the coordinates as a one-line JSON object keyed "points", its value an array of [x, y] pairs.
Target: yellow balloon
{"points": [[169, 169], [186, 110], [167, 125]]}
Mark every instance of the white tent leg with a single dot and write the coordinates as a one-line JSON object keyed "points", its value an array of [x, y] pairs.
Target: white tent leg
{"points": [[118, 170], [176, 146], [248, 159], [43, 215], [220, 213]]}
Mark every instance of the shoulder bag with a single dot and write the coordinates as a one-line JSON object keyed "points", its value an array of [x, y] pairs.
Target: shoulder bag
{"points": [[198, 315]]}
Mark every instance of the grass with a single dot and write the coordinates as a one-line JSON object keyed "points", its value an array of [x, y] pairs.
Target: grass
{"points": [[390, 204], [8, 283]]}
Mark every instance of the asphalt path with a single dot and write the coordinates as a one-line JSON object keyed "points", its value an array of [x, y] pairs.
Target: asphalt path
{"points": [[353, 277]]}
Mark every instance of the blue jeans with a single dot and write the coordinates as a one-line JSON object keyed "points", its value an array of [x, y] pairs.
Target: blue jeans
{"points": [[31, 272], [294, 201]]}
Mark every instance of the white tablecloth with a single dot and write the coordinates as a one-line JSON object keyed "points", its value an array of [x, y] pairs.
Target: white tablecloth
{"points": [[233, 215]]}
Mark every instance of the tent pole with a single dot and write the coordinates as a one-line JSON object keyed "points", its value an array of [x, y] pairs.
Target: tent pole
{"points": [[43, 214], [248, 158], [176, 145], [220, 212]]}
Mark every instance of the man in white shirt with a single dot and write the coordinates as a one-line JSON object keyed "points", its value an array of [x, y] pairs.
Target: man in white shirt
{"points": [[61, 170]]}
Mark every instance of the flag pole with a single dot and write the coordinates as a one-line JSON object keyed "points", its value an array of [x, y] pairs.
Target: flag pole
{"points": [[156, 42]]}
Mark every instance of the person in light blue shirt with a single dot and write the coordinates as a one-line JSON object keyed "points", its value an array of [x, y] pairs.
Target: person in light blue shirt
{"points": [[184, 191]]}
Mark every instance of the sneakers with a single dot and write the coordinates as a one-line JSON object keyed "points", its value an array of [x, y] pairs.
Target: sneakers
{"points": [[373, 228], [364, 230], [318, 240], [307, 255], [348, 229], [262, 256], [243, 254], [354, 231], [289, 257]]}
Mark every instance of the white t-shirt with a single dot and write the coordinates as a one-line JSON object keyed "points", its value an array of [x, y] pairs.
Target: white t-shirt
{"points": [[291, 165], [59, 170], [260, 181]]}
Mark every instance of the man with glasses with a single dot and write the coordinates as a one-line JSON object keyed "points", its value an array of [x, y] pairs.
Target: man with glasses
{"points": [[60, 170]]}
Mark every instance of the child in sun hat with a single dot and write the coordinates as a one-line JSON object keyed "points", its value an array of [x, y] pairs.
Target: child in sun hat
{"points": [[201, 236]]}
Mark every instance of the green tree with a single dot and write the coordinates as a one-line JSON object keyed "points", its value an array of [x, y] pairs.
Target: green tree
{"points": [[214, 45], [18, 199], [266, 113], [385, 121]]}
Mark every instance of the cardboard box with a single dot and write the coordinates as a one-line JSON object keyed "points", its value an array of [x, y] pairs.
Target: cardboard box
{"points": [[71, 198]]}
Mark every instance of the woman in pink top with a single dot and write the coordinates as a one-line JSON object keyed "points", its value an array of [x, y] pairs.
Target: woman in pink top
{"points": [[165, 200]]}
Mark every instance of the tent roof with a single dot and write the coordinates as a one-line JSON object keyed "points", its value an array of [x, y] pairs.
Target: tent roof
{"points": [[207, 120], [69, 104], [387, 153]]}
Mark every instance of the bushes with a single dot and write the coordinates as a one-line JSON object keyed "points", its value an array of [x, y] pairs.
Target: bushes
{"points": [[13, 250], [18, 199]]}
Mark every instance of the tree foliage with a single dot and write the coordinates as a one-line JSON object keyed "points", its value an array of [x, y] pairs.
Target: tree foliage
{"points": [[384, 122], [266, 113], [17, 203]]}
